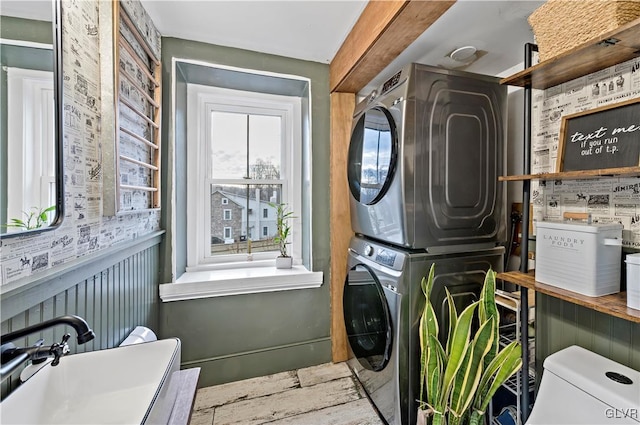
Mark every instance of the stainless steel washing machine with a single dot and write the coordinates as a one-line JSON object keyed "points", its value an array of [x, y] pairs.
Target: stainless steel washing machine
{"points": [[382, 306], [424, 158]]}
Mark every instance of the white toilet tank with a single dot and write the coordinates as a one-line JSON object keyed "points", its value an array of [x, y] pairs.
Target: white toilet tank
{"points": [[580, 387]]}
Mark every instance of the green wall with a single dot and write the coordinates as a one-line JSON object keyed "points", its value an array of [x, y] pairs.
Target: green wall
{"points": [[237, 337], [560, 324], [26, 29]]}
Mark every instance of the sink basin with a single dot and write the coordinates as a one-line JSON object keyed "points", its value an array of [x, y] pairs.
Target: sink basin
{"points": [[123, 385]]}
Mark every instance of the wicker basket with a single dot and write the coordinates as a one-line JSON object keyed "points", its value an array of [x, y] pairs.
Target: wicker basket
{"points": [[560, 25]]}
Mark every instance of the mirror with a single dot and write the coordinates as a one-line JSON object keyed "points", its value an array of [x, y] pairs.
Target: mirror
{"points": [[31, 190]]}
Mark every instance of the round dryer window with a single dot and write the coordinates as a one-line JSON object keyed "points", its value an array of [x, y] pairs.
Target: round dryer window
{"points": [[367, 318], [372, 155]]}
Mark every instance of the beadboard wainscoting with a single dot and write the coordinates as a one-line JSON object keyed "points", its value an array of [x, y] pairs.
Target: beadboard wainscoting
{"points": [[560, 324]]}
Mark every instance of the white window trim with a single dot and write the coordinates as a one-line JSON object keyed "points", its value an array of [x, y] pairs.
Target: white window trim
{"points": [[191, 285], [203, 98], [224, 214], [31, 171], [239, 281]]}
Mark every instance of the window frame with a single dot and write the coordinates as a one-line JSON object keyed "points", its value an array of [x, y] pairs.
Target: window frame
{"points": [[203, 100], [31, 172]]}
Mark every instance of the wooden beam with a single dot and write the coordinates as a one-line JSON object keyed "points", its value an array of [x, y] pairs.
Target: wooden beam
{"points": [[383, 31], [342, 107]]}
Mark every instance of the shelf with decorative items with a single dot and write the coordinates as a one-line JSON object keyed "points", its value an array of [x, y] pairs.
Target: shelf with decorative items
{"points": [[134, 184], [574, 160], [608, 49]]}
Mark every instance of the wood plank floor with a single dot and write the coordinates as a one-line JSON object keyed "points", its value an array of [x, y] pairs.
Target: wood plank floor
{"points": [[320, 395]]}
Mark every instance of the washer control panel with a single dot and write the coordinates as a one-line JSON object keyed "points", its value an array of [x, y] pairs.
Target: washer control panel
{"points": [[385, 257], [380, 254]]}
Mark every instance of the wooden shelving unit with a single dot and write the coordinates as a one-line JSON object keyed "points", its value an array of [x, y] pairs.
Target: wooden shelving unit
{"points": [[576, 175], [609, 49], [613, 305], [597, 54], [138, 86]]}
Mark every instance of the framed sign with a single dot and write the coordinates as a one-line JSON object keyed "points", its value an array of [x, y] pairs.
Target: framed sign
{"points": [[605, 137]]}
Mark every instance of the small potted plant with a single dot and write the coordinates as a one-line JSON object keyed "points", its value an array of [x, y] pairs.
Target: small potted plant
{"points": [[458, 380], [35, 218], [283, 230]]}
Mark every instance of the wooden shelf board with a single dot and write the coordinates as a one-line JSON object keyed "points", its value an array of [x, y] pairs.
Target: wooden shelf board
{"points": [[576, 175], [592, 56], [613, 305]]}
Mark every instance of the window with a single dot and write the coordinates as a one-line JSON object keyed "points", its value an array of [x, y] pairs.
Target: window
{"points": [[30, 127], [248, 153], [233, 272]]}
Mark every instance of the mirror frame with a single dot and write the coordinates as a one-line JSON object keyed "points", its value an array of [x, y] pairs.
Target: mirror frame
{"points": [[56, 22]]}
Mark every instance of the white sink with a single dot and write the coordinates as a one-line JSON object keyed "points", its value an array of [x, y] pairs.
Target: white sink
{"points": [[123, 385]]}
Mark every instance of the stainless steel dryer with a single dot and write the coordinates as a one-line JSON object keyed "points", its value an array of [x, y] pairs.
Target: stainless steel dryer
{"points": [[425, 154], [382, 306]]}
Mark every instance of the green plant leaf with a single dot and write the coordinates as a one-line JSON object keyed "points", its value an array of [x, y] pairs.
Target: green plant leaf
{"points": [[505, 364], [428, 326], [424, 348], [435, 361], [511, 365], [453, 319], [456, 400], [459, 345], [468, 377], [489, 310]]}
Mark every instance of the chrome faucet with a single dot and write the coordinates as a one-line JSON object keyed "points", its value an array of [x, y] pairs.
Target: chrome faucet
{"points": [[12, 357]]}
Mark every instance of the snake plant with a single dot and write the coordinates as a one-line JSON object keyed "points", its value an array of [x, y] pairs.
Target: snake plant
{"points": [[458, 381]]}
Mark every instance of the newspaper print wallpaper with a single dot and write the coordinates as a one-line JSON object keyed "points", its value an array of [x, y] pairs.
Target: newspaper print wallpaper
{"points": [[608, 200], [84, 230]]}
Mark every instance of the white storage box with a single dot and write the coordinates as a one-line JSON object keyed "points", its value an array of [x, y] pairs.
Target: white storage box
{"points": [[580, 257], [633, 281]]}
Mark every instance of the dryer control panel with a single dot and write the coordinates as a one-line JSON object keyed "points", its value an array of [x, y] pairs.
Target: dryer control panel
{"points": [[391, 82]]}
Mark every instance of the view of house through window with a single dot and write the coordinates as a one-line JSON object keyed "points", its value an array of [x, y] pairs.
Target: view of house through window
{"points": [[246, 147]]}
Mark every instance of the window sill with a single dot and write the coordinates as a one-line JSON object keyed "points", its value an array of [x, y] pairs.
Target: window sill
{"points": [[251, 280]]}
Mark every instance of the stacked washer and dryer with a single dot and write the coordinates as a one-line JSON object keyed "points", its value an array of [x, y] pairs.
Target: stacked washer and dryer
{"points": [[425, 154]]}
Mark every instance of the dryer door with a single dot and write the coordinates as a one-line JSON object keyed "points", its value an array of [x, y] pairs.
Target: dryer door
{"points": [[367, 318], [372, 155]]}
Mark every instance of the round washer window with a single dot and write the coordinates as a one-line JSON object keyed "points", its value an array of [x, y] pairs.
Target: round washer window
{"points": [[372, 155], [367, 318]]}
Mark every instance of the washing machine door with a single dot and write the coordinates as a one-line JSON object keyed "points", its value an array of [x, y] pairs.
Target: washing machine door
{"points": [[367, 318], [372, 155]]}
